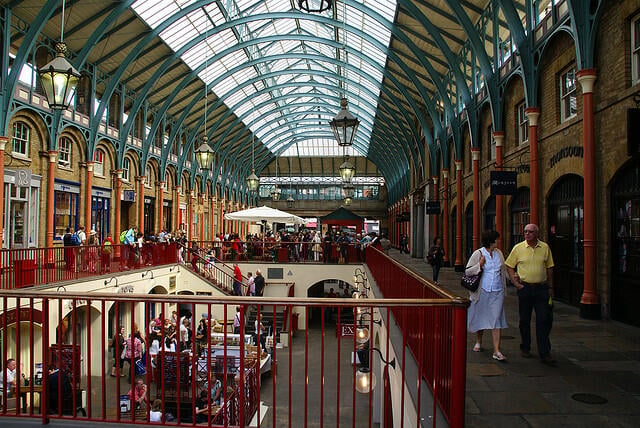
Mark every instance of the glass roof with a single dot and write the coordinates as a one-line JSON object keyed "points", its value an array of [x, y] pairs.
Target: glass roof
{"points": [[307, 87]]}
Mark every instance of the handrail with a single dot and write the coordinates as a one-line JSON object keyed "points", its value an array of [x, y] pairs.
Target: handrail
{"points": [[204, 266]]}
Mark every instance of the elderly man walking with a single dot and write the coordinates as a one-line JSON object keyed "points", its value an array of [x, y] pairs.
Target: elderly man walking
{"points": [[530, 267]]}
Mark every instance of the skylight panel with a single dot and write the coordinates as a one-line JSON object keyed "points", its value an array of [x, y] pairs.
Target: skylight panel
{"points": [[234, 90]]}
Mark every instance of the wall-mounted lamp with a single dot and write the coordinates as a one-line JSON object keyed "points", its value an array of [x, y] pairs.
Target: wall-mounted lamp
{"points": [[109, 281], [149, 272], [366, 379], [176, 268]]}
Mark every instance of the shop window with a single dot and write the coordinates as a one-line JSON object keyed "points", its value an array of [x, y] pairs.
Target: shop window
{"points": [[98, 165], [126, 167], [519, 215], [523, 125], [568, 97], [147, 176], [66, 212], [20, 140], [64, 152], [635, 50]]}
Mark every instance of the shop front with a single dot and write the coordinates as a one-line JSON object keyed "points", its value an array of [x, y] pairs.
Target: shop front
{"points": [[21, 209], [101, 211]]}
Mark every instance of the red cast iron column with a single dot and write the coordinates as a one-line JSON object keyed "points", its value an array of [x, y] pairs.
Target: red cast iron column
{"points": [[3, 144], [458, 263], [475, 156], [87, 198], [50, 198], [498, 136], [533, 113], [445, 215], [435, 199], [589, 302], [117, 203]]}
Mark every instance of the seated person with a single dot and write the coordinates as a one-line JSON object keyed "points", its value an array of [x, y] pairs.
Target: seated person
{"points": [[202, 408], [59, 386], [11, 377], [155, 415], [138, 394], [216, 389]]}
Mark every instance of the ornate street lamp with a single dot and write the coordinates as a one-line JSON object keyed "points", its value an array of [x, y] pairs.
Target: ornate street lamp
{"points": [[253, 182], [347, 171], [275, 193], [348, 190], [204, 155], [344, 125], [59, 78], [314, 6]]}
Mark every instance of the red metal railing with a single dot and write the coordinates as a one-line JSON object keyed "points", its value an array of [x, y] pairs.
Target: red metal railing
{"points": [[436, 337], [285, 252], [75, 332], [39, 266]]}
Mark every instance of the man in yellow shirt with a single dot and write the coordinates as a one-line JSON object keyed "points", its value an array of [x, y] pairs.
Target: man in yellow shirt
{"points": [[530, 267]]}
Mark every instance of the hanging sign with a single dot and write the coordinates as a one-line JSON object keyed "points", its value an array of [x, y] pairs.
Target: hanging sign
{"points": [[504, 182], [433, 207]]}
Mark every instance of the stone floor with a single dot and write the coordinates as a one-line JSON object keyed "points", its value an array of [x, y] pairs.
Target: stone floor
{"points": [[593, 357]]}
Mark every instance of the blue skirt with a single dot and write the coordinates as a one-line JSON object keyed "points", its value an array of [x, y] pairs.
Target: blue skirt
{"points": [[487, 313]]}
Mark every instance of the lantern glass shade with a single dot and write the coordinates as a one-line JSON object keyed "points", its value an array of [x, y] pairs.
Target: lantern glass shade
{"points": [[275, 194], [365, 381], [347, 201], [344, 125], [204, 155], [347, 171], [59, 80], [314, 6], [253, 182], [290, 202], [362, 335]]}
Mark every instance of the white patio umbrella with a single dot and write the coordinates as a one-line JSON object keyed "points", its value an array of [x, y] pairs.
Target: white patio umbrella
{"points": [[264, 213]]}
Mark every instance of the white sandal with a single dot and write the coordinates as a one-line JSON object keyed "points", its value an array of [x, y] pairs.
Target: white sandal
{"points": [[499, 357], [477, 347]]}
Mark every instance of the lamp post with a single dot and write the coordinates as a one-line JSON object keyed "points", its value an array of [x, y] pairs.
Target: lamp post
{"points": [[344, 125], [59, 78]]}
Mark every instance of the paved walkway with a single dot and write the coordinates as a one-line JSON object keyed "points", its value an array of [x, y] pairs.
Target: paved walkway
{"points": [[599, 358]]}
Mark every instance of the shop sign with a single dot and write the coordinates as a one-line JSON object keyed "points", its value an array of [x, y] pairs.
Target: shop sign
{"points": [[347, 330], [504, 182], [433, 207]]}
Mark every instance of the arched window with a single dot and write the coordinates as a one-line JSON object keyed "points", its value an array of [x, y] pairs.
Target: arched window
{"points": [[126, 167], [20, 139], [98, 166], [64, 152]]}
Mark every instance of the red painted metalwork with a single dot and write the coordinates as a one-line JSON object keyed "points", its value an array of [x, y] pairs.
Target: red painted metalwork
{"points": [[81, 329], [40, 266]]}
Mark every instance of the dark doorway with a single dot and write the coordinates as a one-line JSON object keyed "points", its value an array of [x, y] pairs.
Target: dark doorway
{"points": [[625, 248], [490, 214], [468, 250], [519, 209], [565, 235]]}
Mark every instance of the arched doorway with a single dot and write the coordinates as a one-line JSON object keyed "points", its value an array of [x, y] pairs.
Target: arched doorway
{"points": [[566, 212], [625, 248], [519, 209], [490, 214], [468, 216]]}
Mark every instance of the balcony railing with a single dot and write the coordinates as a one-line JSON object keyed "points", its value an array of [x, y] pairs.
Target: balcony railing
{"points": [[21, 268], [277, 378]]}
